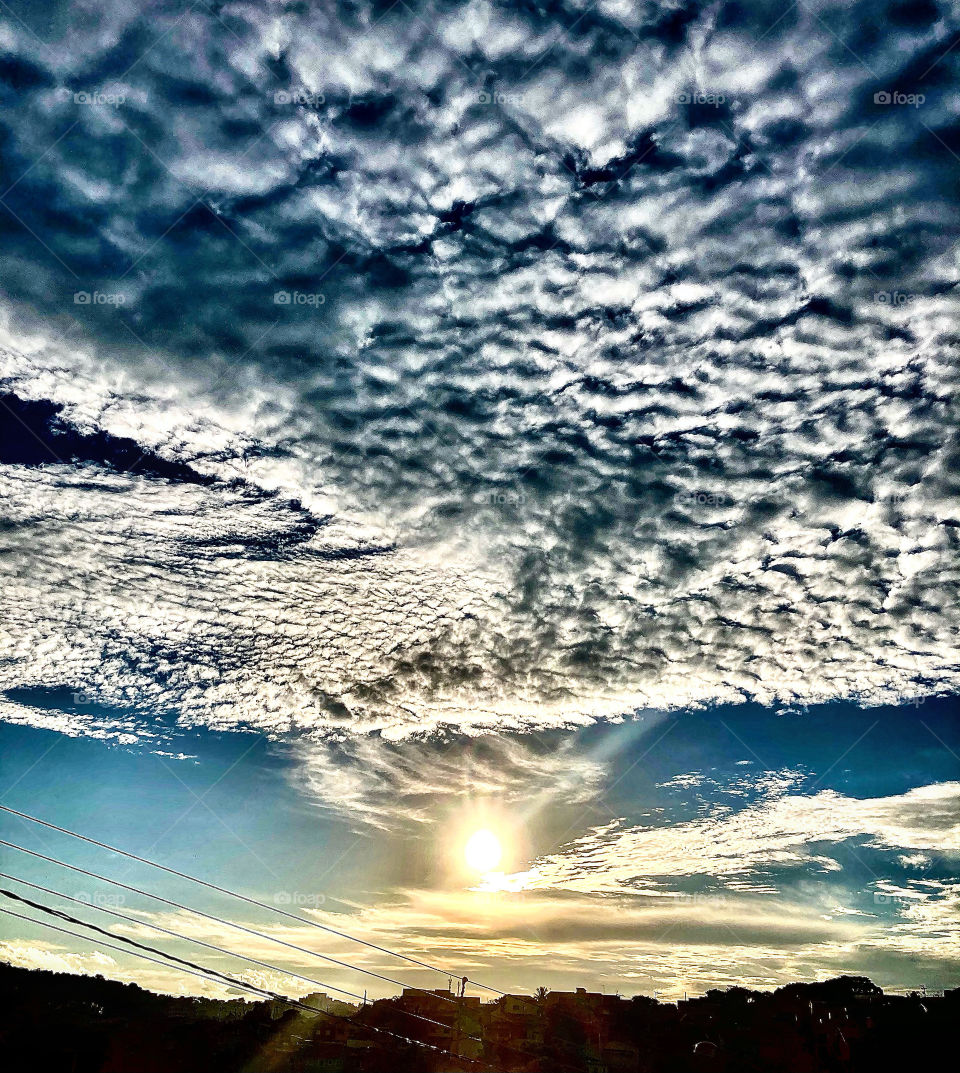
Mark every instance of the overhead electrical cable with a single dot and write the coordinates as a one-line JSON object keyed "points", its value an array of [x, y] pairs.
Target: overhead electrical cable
{"points": [[245, 898], [198, 942], [201, 970], [222, 920]]}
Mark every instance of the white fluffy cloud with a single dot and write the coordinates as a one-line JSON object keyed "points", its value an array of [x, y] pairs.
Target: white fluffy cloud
{"points": [[45, 955], [614, 370]]}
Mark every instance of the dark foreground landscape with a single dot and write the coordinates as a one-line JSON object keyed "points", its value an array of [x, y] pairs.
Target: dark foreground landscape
{"points": [[76, 1024]]}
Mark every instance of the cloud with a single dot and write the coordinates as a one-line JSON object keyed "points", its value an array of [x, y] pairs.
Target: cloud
{"points": [[532, 919], [47, 956], [414, 384], [393, 785], [669, 944], [53, 957], [745, 849], [486, 369]]}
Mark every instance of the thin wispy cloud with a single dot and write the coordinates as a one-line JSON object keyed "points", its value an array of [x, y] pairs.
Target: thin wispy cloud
{"points": [[752, 845]]}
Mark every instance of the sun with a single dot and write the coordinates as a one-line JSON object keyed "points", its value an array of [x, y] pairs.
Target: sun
{"points": [[483, 851]]}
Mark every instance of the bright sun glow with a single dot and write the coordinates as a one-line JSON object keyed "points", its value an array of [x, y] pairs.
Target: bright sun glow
{"points": [[483, 851]]}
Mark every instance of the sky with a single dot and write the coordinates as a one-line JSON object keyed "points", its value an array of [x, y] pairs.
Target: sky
{"points": [[419, 419]]}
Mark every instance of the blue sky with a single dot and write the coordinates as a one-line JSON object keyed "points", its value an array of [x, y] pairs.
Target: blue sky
{"points": [[461, 415], [692, 851]]}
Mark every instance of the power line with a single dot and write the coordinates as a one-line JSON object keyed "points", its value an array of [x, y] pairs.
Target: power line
{"points": [[240, 927], [229, 923], [86, 938], [177, 935], [221, 920], [245, 898], [214, 974], [223, 977], [223, 950], [199, 942], [93, 927]]}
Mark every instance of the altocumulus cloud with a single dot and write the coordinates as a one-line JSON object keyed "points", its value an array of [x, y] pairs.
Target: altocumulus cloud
{"points": [[385, 368], [747, 849]]}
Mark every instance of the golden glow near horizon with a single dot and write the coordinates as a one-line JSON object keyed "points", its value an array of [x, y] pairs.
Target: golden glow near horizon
{"points": [[483, 851]]}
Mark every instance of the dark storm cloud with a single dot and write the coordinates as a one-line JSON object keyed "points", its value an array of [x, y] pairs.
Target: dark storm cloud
{"points": [[620, 340]]}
